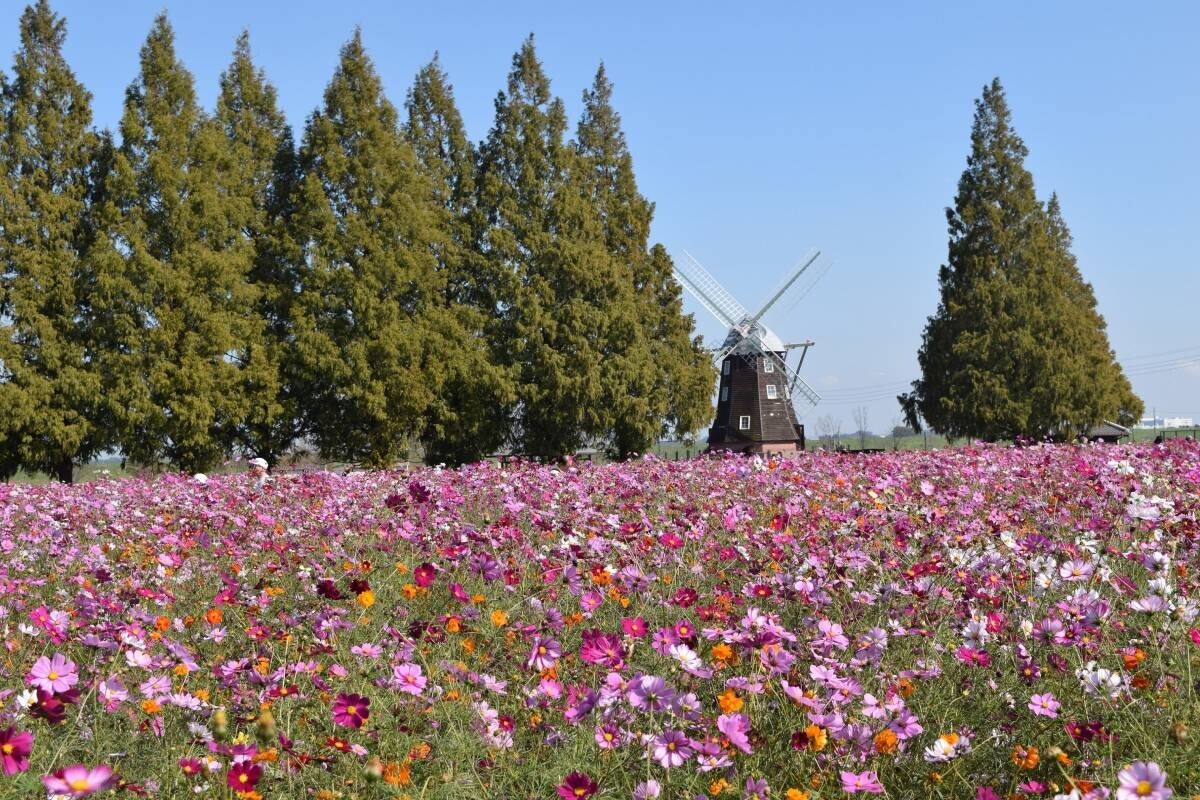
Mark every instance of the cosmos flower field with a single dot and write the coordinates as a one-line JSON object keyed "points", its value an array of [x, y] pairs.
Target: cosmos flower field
{"points": [[968, 623]]}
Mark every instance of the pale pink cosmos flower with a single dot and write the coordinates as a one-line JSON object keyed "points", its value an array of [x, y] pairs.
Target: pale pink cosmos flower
{"points": [[53, 674], [409, 678], [78, 780], [1044, 705], [737, 728], [1143, 781], [866, 781]]}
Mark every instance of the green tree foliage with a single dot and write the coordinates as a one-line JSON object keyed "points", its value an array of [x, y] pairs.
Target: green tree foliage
{"points": [[468, 419], [185, 393], [370, 288], [258, 176], [51, 387], [1016, 347], [657, 377], [544, 250]]}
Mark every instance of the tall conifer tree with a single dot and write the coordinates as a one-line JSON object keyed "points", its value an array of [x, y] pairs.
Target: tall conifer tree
{"points": [[659, 378], [544, 248], [1016, 347], [258, 175], [370, 286], [189, 262], [51, 387], [468, 419]]}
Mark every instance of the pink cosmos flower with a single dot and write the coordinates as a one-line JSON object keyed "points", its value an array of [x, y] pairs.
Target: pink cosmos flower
{"points": [[545, 653], [671, 749], [351, 710], [832, 635], [736, 727], [1044, 705], [14, 750], [866, 781], [1143, 781], [53, 675], [78, 780], [409, 678]]}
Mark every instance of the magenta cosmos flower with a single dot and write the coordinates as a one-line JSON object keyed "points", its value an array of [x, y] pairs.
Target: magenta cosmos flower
{"points": [[53, 674], [424, 575], [634, 626], [14, 750], [867, 781], [576, 786], [351, 710], [1143, 781], [78, 780], [602, 648]]}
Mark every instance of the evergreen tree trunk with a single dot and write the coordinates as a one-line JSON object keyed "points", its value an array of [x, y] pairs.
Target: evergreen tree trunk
{"points": [[65, 470]]}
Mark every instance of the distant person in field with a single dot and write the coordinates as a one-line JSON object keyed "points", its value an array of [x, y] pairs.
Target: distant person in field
{"points": [[258, 470]]}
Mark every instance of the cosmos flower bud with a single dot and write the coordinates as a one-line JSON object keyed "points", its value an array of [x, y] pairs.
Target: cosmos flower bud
{"points": [[373, 770], [265, 730], [220, 721], [1179, 732]]}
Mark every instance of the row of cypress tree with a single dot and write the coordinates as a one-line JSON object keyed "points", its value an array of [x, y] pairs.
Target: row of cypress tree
{"points": [[200, 286]]}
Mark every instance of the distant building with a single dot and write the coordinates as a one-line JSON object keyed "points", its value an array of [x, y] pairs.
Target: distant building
{"points": [[1109, 432], [1166, 422]]}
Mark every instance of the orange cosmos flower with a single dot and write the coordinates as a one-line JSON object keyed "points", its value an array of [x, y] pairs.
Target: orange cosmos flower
{"points": [[886, 741], [1025, 757], [729, 701]]}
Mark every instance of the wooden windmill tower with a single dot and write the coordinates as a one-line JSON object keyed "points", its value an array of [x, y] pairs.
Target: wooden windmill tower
{"points": [[760, 397]]}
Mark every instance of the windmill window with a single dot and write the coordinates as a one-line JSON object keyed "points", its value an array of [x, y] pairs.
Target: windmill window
{"points": [[772, 391], [769, 366], [743, 423], [724, 393], [725, 368]]}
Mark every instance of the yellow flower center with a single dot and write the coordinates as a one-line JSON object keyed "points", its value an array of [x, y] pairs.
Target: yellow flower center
{"points": [[580, 791], [7, 748], [351, 710], [1143, 788], [79, 785], [52, 675], [243, 778]]}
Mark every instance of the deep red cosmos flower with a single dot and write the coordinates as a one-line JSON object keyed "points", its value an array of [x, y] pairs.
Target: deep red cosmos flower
{"points": [[243, 776], [576, 786], [425, 574]]}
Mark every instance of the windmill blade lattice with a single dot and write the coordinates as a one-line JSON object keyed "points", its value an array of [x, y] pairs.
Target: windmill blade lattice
{"points": [[711, 294]]}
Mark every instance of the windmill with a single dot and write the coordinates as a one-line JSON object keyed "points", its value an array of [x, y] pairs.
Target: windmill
{"points": [[760, 397]]}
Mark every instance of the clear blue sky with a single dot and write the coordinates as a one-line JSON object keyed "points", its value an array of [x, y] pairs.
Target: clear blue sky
{"points": [[762, 133]]}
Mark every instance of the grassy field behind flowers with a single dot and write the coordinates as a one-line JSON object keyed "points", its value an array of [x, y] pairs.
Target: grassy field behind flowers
{"points": [[968, 623]]}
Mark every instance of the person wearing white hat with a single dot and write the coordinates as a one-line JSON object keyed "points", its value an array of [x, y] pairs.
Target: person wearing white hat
{"points": [[258, 468]]}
